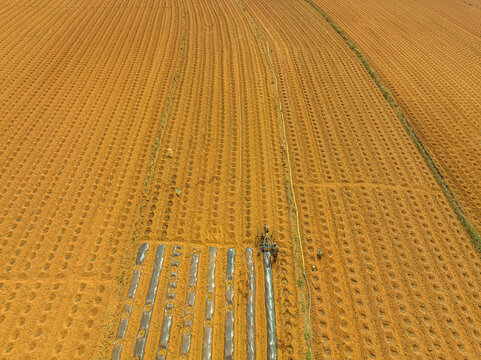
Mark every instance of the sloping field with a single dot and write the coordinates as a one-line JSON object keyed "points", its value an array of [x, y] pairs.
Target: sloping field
{"points": [[83, 87], [429, 54], [400, 279], [466, 14], [227, 163], [145, 140]]}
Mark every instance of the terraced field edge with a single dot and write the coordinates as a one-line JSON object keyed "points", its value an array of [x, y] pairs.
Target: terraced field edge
{"points": [[463, 218]]}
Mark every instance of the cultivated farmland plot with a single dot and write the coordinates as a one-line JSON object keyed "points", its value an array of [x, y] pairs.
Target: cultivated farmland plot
{"points": [[429, 54], [144, 144]]}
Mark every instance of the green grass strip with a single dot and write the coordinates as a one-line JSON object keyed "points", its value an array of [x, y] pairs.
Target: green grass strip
{"points": [[473, 232]]}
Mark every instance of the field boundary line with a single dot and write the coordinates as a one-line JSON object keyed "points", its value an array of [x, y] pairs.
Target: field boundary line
{"points": [[458, 210], [289, 185], [146, 189], [158, 141]]}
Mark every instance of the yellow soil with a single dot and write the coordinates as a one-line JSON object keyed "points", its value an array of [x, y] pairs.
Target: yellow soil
{"points": [[95, 93], [429, 54]]}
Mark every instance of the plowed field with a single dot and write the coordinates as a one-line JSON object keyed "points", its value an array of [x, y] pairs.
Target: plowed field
{"points": [[184, 123], [429, 54]]}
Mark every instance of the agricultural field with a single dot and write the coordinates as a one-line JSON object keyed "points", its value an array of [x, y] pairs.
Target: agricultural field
{"points": [[144, 143], [428, 54]]}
